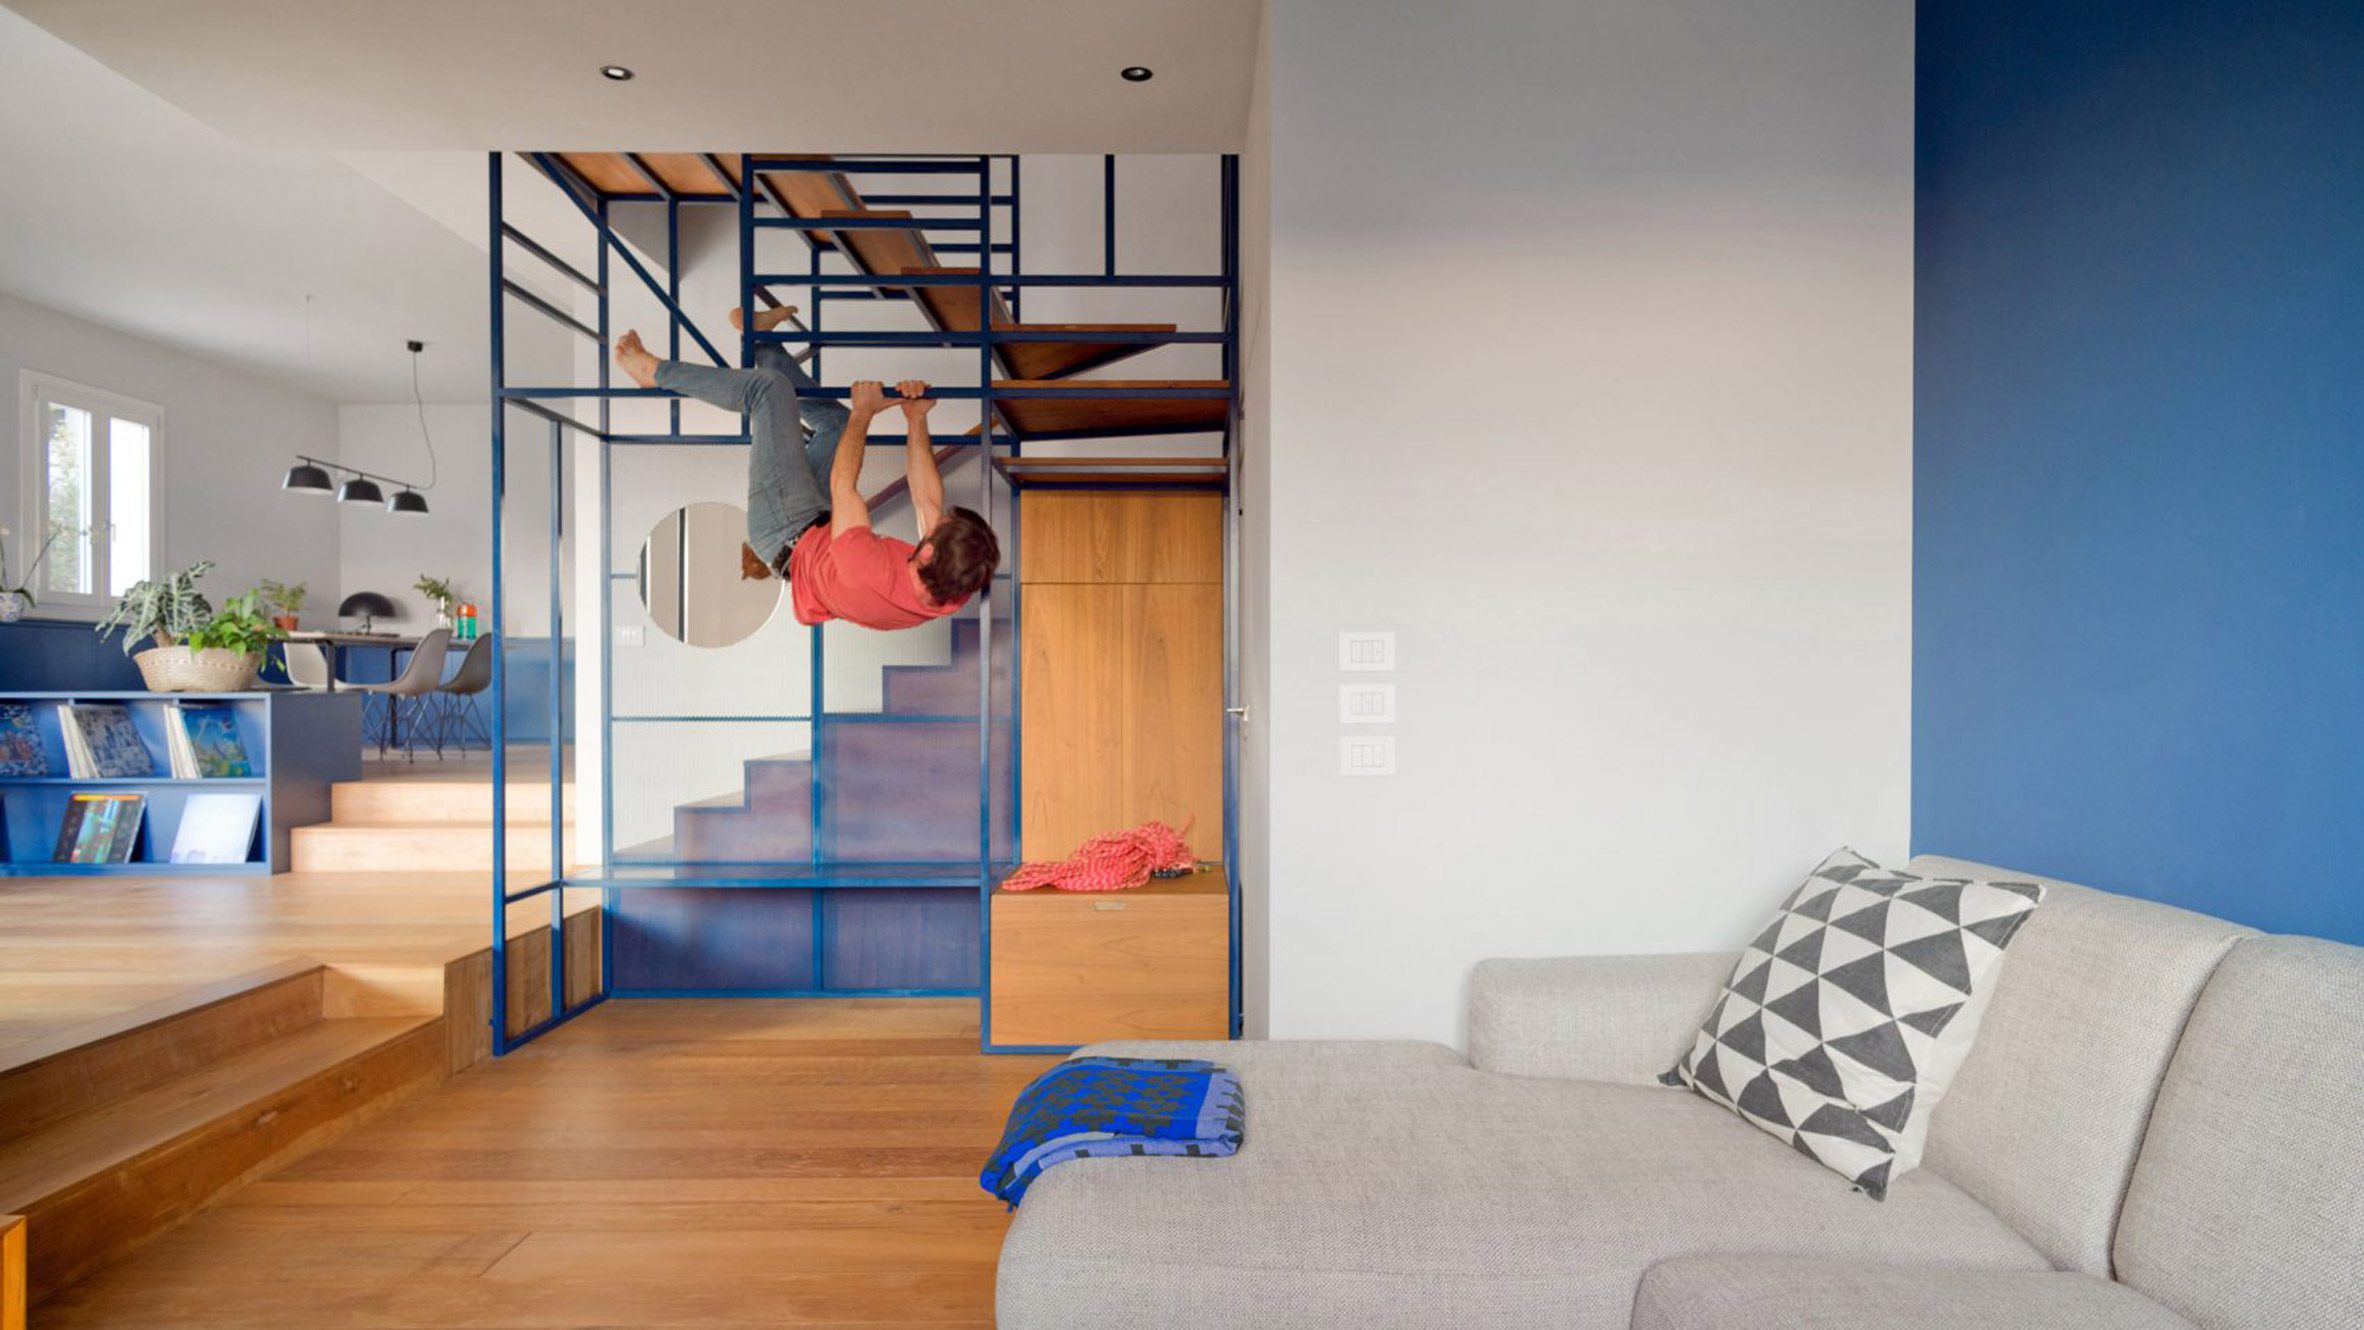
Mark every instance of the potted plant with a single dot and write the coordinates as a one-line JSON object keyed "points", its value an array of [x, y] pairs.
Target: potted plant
{"points": [[285, 597], [439, 593], [197, 650], [16, 593]]}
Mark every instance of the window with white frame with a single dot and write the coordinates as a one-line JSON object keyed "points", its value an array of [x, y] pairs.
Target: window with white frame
{"points": [[91, 464]]}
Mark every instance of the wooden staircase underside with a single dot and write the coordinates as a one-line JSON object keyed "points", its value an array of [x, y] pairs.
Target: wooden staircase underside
{"points": [[826, 196]]}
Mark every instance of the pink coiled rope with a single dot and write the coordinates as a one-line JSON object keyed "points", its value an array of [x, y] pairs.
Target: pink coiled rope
{"points": [[1119, 861]]}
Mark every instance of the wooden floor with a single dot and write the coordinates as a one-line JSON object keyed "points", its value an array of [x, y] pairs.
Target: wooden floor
{"points": [[654, 1163], [77, 950]]}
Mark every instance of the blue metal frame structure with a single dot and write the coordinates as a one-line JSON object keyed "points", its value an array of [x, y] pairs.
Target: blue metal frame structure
{"points": [[757, 210]]}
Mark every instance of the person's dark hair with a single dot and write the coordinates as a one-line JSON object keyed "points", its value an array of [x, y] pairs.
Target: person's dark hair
{"points": [[966, 553]]}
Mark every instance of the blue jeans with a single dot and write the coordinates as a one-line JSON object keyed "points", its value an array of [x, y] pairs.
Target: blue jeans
{"points": [[787, 474]]}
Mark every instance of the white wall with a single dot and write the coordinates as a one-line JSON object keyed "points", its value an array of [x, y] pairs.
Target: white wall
{"points": [[228, 437], [1590, 363], [1251, 501]]}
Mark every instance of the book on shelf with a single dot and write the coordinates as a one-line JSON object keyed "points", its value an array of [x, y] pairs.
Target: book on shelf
{"points": [[102, 743], [20, 742], [216, 828], [100, 828], [203, 741]]}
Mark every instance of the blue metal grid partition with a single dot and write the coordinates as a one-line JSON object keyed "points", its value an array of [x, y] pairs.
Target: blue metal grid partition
{"points": [[843, 868]]}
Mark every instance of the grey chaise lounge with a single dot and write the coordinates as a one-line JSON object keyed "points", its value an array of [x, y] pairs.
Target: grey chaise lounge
{"points": [[2158, 1127]]}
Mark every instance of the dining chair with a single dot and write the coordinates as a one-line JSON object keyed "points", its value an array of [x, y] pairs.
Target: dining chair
{"points": [[409, 693], [307, 666], [455, 698]]}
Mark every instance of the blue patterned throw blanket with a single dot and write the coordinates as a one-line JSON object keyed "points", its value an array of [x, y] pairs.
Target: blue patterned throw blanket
{"points": [[1104, 1108]]}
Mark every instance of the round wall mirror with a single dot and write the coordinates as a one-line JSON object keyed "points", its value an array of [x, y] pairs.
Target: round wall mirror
{"points": [[689, 577]]}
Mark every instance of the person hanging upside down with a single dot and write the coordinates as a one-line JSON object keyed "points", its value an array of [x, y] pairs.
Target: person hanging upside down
{"points": [[806, 519]]}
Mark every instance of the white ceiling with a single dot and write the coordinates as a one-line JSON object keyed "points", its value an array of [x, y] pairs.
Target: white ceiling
{"points": [[190, 170], [124, 211], [725, 75]]}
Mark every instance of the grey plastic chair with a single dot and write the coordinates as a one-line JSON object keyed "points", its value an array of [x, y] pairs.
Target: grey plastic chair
{"points": [[307, 666], [410, 692], [455, 698]]}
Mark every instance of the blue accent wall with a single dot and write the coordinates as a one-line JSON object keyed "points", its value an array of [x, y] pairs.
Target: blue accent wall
{"points": [[2138, 654]]}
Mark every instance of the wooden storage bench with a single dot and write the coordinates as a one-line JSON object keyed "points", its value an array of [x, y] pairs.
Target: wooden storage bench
{"points": [[1081, 967]]}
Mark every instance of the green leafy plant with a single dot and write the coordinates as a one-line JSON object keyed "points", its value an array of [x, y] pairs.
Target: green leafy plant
{"points": [[242, 624], [167, 609], [286, 597], [438, 591]]}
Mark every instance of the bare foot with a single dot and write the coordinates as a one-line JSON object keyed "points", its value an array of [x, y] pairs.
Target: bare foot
{"points": [[636, 359], [765, 319]]}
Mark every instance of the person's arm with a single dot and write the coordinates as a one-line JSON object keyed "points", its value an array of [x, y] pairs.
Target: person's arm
{"points": [[919, 456], [847, 511]]}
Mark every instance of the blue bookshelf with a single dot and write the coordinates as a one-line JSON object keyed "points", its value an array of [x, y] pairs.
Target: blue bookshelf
{"points": [[298, 744]]}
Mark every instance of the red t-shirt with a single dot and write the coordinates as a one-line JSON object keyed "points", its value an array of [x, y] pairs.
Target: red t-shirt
{"points": [[860, 577]]}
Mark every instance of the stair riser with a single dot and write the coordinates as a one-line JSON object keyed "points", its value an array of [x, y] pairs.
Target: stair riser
{"points": [[893, 792], [85, 1077], [105, 1215], [359, 849], [439, 801]]}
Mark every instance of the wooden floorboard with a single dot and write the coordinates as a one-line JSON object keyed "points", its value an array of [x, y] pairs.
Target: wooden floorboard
{"points": [[80, 950], [652, 1164]]}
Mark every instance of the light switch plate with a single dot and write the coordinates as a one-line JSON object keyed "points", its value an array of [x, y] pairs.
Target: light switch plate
{"points": [[1366, 755], [631, 636], [1366, 649], [1366, 704]]}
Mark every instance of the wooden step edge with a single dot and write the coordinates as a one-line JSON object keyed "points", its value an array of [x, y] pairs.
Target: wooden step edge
{"points": [[103, 1215], [82, 1067], [12, 1272]]}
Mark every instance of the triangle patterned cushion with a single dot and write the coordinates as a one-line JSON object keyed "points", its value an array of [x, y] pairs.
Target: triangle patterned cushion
{"points": [[1848, 1016]]}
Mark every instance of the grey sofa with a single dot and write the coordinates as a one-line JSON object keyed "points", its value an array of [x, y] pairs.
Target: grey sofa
{"points": [[2161, 1125]]}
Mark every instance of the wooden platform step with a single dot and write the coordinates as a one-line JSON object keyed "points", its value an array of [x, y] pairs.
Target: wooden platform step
{"points": [[362, 847], [1110, 417], [114, 1132], [441, 800]]}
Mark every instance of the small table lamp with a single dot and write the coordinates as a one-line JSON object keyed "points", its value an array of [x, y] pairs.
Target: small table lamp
{"points": [[369, 605]]}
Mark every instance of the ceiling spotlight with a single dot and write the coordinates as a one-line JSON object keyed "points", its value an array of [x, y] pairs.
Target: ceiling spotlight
{"points": [[616, 73], [306, 478], [360, 489], [408, 501], [1137, 73]]}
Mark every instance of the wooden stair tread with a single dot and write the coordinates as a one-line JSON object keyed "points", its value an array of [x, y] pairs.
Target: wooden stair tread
{"points": [[55, 1157], [1212, 472], [1085, 417]]}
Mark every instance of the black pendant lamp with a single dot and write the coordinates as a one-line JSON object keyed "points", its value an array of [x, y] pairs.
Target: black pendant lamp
{"points": [[308, 477], [360, 489], [407, 501]]}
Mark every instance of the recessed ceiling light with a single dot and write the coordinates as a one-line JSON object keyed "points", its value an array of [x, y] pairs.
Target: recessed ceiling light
{"points": [[1137, 73], [616, 72]]}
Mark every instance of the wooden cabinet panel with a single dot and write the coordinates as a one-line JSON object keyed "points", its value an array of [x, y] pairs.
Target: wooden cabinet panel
{"points": [[1173, 715], [1072, 714], [1115, 536], [1075, 968]]}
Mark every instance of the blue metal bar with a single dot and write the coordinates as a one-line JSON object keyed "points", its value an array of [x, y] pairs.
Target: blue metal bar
{"points": [[866, 223], [540, 1028], [961, 247], [747, 281], [860, 165], [795, 992], [1232, 716], [649, 176], [608, 237], [550, 392], [500, 672], [529, 893], [1108, 213], [607, 638], [985, 418], [1017, 250], [545, 413], [535, 248], [1002, 280], [546, 307], [557, 730], [948, 337], [782, 718], [722, 173], [933, 200], [672, 283]]}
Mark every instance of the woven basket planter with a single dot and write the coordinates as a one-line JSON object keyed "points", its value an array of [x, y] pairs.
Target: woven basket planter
{"points": [[182, 670]]}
